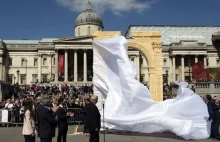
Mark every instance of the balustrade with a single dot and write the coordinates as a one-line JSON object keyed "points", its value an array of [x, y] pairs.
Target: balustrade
{"points": [[203, 88]]}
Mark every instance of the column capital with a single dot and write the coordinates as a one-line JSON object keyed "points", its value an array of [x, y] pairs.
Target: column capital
{"points": [[183, 55], [39, 54]]}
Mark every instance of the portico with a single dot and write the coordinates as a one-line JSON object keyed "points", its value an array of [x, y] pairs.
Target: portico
{"points": [[182, 63], [73, 62]]}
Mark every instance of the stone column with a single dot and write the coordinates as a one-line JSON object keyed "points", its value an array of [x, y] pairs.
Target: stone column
{"points": [[39, 67], [174, 68], [205, 62], [183, 68], [75, 67], [85, 66], [66, 66], [138, 67], [56, 66], [196, 59], [50, 66]]}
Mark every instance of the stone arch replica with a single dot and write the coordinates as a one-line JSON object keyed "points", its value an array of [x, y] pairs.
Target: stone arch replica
{"points": [[150, 45]]}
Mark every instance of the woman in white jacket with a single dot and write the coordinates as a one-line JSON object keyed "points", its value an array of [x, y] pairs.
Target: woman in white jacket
{"points": [[29, 123]]}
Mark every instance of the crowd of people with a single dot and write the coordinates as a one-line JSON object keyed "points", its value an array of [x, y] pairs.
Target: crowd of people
{"points": [[73, 98], [26, 102], [51, 113]]}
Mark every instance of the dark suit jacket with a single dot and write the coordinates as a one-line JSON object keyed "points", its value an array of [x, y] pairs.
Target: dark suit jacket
{"points": [[46, 123], [212, 108], [62, 117], [93, 117]]}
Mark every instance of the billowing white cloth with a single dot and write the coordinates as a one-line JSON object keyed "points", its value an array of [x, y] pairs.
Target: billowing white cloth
{"points": [[128, 103]]}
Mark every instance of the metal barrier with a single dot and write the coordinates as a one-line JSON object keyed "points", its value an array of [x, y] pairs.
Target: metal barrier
{"points": [[15, 117], [76, 119]]}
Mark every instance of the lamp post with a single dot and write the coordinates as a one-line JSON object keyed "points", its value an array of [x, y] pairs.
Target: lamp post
{"points": [[189, 65], [18, 72], [167, 75]]}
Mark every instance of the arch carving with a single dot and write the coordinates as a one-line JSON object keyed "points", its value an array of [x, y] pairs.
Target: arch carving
{"points": [[143, 50], [149, 44]]}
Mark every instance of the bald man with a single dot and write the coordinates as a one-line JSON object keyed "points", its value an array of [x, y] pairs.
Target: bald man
{"points": [[94, 99], [93, 119]]}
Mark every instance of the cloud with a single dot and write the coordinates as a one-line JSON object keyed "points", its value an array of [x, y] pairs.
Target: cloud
{"points": [[117, 7]]}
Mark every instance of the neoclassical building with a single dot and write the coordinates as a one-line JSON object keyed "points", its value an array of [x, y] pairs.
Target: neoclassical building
{"points": [[70, 59]]}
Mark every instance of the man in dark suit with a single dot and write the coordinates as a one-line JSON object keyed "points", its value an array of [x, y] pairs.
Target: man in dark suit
{"points": [[62, 118], [46, 120], [92, 121], [214, 115]]}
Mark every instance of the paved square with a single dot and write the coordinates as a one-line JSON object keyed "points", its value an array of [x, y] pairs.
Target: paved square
{"points": [[13, 134]]}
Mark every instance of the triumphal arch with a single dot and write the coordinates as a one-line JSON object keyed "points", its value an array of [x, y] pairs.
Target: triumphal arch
{"points": [[150, 45]]}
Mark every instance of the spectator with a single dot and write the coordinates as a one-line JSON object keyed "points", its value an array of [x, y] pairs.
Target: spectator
{"points": [[62, 118], [46, 120], [9, 105], [93, 120], [214, 115], [29, 123]]}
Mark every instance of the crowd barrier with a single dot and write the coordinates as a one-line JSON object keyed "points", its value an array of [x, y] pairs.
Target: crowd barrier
{"points": [[15, 117]]}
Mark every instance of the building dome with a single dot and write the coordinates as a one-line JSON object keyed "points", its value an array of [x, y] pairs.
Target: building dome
{"points": [[216, 36], [89, 17]]}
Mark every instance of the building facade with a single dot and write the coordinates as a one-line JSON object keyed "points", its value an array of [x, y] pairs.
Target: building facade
{"points": [[181, 47], [70, 59]]}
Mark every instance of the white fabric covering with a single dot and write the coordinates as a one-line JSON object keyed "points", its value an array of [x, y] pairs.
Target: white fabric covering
{"points": [[128, 103]]}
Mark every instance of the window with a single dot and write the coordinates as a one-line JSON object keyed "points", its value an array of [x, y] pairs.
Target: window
{"points": [[44, 61], [34, 77], [89, 32], [99, 29], [217, 61], [35, 62], [164, 61], [165, 78], [22, 62], [23, 79], [44, 78], [142, 78], [10, 62], [10, 78]]}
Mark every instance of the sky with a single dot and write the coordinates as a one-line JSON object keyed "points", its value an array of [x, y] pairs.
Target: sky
{"points": [[37, 19]]}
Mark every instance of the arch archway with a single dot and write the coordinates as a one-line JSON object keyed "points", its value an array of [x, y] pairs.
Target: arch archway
{"points": [[150, 45]]}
